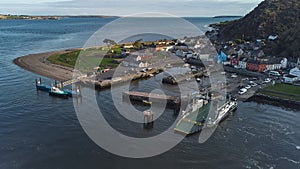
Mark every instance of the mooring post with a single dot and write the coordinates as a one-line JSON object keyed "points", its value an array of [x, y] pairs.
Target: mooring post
{"points": [[36, 84], [148, 119]]}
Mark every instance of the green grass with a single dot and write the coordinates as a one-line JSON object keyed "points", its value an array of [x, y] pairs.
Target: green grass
{"points": [[67, 59], [89, 59], [281, 96], [289, 89], [286, 91]]}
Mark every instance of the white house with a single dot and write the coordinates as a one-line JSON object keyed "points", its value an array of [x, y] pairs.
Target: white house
{"points": [[290, 79], [243, 63], [295, 72], [277, 66], [128, 46], [284, 63], [134, 61]]}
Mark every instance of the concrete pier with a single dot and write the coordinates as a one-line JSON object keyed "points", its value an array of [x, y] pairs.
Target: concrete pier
{"points": [[172, 101]]}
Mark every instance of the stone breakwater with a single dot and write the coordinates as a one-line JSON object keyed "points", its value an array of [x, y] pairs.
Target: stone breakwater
{"points": [[91, 82]]}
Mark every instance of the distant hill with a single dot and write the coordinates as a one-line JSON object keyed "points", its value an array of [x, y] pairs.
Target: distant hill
{"points": [[270, 17], [30, 17], [227, 16]]}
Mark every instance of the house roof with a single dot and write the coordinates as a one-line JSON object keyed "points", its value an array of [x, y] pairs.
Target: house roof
{"points": [[257, 53]]}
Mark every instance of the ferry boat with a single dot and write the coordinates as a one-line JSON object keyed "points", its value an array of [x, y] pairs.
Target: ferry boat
{"points": [[193, 118], [196, 117], [222, 112], [58, 93]]}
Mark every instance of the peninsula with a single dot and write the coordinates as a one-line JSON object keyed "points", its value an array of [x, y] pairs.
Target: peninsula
{"points": [[49, 17]]}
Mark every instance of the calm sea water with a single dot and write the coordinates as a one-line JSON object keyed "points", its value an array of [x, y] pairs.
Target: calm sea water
{"points": [[38, 131]]}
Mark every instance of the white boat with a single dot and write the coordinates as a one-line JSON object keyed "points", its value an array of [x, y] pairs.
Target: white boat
{"points": [[57, 92], [198, 80], [222, 112]]}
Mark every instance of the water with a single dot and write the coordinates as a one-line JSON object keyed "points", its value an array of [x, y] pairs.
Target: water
{"points": [[38, 131]]}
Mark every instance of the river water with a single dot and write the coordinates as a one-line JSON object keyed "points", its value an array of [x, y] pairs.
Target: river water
{"points": [[41, 132]]}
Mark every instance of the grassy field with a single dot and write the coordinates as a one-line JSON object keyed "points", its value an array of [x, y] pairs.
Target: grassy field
{"points": [[289, 89], [89, 59], [283, 91]]}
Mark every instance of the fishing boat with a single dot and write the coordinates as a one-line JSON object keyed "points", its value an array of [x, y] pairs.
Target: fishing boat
{"points": [[72, 93], [42, 87], [58, 93], [147, 102]]}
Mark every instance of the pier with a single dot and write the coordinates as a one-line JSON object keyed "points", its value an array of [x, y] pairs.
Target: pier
{"points": [[172, 101], [180, 78]]}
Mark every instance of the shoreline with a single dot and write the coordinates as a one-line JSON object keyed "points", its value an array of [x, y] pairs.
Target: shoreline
{"points": [[275, 101], [38, 64]]}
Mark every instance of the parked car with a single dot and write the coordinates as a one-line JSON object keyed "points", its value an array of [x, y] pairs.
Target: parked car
{"points": [[253, 79], [267, 80], [248, 87], [234, 76], [253, 84], [242, 91]]}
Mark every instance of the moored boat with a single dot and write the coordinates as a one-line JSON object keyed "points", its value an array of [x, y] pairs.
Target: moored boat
{"points": [[222, 112], [58, 93], [147, 102], [72, 93], [42, 87]]}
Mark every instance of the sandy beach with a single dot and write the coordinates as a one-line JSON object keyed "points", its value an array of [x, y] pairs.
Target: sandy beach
{"points": [[38, 63]]}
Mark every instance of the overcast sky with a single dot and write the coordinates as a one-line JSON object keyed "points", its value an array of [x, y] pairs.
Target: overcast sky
{"points": [[128, 7]]}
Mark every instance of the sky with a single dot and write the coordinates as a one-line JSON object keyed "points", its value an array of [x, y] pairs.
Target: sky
{"points": [[128, 7]]}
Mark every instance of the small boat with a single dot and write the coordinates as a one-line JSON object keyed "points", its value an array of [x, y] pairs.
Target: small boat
{"points": [[147, 102], [43, 87], [72, 93], [198, 80], [58, 93]]}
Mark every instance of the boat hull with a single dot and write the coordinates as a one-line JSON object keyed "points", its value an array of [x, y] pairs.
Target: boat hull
{"points": [[61, 95], [43, 88]]}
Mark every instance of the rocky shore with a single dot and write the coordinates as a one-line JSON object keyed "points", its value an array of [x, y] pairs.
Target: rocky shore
{"points": [[276, 101]]}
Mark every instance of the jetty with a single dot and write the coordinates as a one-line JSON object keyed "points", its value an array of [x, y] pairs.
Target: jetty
{"points": [[72, 81], [172, 101], [173, 80]]}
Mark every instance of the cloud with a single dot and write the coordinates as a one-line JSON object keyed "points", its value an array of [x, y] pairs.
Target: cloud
{"points": [[126, 7]]}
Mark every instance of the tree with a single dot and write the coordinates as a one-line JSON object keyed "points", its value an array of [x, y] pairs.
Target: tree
{"points": [[138, 43], [109, 42]]}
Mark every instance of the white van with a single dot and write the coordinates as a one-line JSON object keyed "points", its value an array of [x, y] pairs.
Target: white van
{"points": [[274, 73]]}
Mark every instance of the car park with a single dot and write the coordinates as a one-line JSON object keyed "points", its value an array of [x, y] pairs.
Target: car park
{"points": [[253, 84], [248, 87], [234, 76], [267, 80], [242, 91]]}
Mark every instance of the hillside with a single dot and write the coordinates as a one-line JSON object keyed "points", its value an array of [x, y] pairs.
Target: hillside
{"points": [[270, 17]]}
